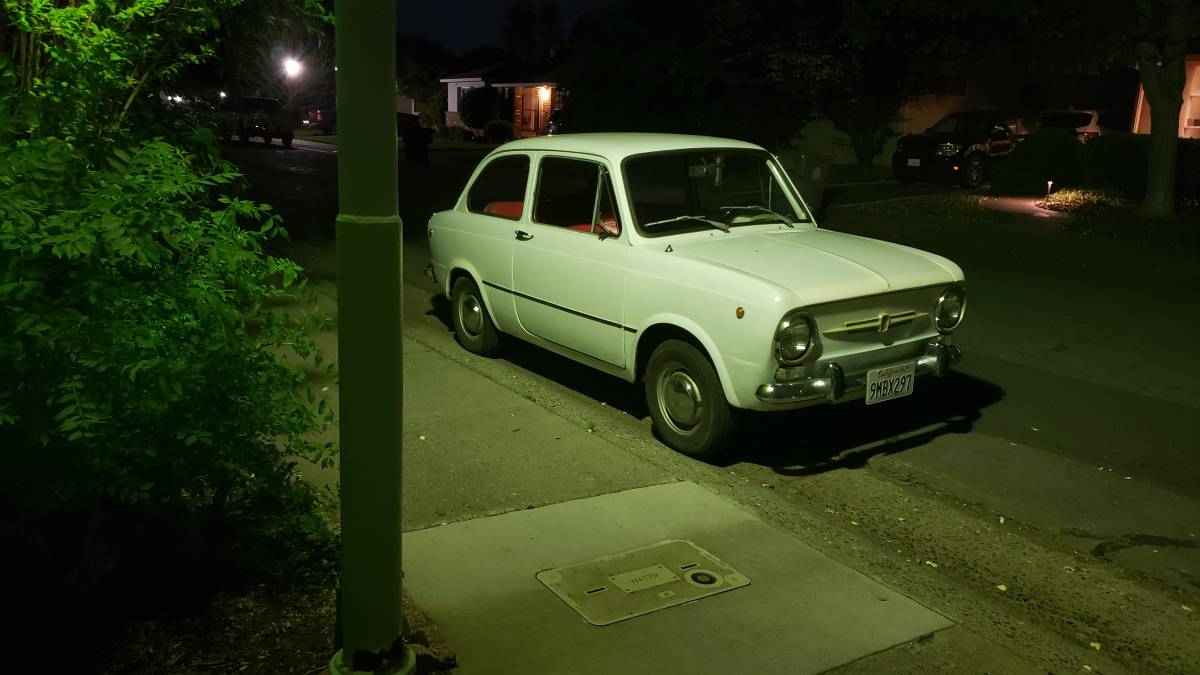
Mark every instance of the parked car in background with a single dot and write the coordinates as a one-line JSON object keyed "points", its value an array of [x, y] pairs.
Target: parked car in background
{"points": [[692, 265], [323, 118], [264, 117], [1086, 124], [961, 148]]}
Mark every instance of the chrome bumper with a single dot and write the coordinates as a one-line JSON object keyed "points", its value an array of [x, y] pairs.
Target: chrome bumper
{"points": [[835, 384]]}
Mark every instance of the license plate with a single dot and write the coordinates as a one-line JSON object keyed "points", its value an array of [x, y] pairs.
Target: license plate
{"points": [[885, 384], [914, 162]]}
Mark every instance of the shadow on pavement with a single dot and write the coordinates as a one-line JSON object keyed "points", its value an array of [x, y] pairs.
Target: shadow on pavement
{"points": [[612, 391], [846, 436]]}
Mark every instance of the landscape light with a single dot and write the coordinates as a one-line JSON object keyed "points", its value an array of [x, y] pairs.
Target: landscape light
{"points": [[1049, 185], [221, 94]]}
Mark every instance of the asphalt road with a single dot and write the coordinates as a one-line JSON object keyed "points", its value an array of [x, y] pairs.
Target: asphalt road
{"points": [[1073, 414]]}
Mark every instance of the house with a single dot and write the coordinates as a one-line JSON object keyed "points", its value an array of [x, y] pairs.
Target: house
{"points": [[528, 91], [1189, 112]]}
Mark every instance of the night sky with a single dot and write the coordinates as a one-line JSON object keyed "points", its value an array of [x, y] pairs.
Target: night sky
{"points": [[464, 24]]}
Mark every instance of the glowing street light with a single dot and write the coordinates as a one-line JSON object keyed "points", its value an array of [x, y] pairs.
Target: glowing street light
{"points": [[221, 94], [292, 67]]}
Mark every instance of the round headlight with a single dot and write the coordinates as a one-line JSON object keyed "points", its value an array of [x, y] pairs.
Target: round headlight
{"points": [[950, 309], [793, 339]]}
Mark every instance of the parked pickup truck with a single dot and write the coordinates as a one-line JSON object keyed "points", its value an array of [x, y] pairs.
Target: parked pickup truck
{"points": [[258, 116]]}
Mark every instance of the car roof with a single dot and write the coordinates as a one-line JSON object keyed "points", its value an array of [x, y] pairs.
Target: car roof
{"points": [[617, 146]]}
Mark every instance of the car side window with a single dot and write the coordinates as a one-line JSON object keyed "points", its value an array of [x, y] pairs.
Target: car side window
{"points": [[575, 194], [499, 190]]}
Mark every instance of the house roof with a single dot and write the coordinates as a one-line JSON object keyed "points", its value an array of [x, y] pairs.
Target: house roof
{"points": [[618, 146], [506, 75]]}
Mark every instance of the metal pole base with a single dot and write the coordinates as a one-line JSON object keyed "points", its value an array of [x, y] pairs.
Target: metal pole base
{"points": [[406, 667]]}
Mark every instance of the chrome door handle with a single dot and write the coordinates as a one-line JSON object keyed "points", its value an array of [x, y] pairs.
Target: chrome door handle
{"points": [[522, 235]]}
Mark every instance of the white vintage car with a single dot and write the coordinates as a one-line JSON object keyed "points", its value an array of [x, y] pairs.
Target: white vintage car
{"points": [[691, 264]]}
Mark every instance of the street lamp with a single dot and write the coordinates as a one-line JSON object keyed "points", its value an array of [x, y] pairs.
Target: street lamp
{"points": [[292, 67]]}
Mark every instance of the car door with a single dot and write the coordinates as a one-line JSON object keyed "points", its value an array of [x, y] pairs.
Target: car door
{"points": [[495, 208], [570, 265]]}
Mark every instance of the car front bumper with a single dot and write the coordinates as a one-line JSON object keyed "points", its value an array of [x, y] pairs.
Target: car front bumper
{"points": [[931, 168], [835, 385]]}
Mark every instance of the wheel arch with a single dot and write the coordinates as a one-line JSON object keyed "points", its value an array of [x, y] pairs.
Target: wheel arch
{"points": [[662, 329]]}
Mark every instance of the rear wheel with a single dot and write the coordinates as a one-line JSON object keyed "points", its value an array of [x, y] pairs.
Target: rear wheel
{"points": [[266, 138], [473, 328], [974, 171], [287, 140], [243, 136], [687, 405]]}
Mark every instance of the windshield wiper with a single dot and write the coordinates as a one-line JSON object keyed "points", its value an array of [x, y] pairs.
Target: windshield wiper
{"points": [[763, 210], [715, 223]]}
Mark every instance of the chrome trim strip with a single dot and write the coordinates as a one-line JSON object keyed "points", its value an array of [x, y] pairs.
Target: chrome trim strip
{"points": [[568, 310], [864, 325]]}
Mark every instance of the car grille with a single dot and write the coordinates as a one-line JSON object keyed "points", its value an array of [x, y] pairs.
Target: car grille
{"points": [[851, 328]]}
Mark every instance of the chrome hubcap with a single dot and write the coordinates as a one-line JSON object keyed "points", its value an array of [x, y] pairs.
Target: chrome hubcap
{"points": [[679, 401], [470, 315]]}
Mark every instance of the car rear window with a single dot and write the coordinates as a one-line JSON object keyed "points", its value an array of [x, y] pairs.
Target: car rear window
{"points": [[1066, 120], [499, 190]]}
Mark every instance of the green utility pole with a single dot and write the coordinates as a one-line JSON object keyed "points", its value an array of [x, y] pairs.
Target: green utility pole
{"points": [[369, 343]]}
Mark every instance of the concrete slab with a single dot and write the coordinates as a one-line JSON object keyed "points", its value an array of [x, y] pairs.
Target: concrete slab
{"points": [[804, 613], [508, 455]]}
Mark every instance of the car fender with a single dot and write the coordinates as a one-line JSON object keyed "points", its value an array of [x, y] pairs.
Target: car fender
{"points": [[718, 359]]}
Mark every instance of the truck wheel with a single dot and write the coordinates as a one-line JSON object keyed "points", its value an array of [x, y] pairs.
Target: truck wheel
{"points": [[687, 405], [974, 171], [287, 140]]}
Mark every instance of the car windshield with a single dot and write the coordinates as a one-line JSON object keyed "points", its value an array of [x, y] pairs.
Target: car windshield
{"points": [[959, 123], [1065, 120], [694, 190]]}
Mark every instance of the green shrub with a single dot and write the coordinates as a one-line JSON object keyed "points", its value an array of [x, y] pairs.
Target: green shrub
{"points": [[1118, 162], [480, 105], [498, 131], [1047, 154], [145, 402]]}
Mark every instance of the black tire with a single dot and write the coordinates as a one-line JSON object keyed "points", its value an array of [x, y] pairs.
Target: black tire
{"points": [[687, 405], [266, 138], [974, 171], [244, 136], [902, 176], [287, 140], [473, 328]]}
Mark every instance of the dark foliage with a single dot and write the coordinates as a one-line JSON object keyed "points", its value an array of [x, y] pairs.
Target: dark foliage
{"points": [[480, 106], [1118, 162], [498, 131], [1048, 154]]}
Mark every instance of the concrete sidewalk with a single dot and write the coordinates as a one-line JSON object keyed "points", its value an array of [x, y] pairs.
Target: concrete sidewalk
{"points": [[497, 489]]}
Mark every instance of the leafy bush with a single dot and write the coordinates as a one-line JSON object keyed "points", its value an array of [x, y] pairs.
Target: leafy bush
{"points": [[498, 131], [480, 105], [152, 401], [1118, 162], [1047, 154]]}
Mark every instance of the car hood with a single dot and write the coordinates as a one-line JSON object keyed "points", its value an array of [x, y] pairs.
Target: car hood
{"points": [[822, 265]]}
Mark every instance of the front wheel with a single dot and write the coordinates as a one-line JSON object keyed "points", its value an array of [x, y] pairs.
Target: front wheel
{"points": [[473, 328], [974, 171], [687, 405]]}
